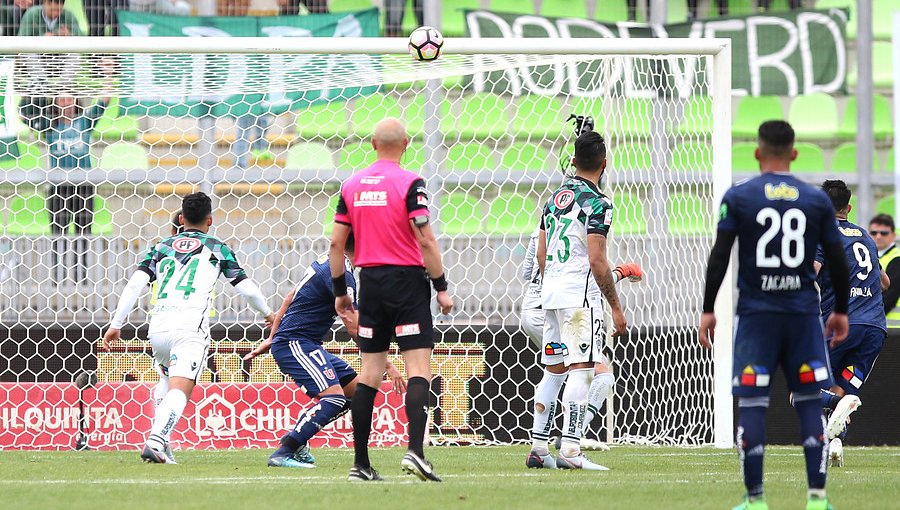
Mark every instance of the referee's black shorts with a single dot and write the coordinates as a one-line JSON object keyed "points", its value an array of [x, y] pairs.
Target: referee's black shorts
{"points": [[394, 301]]}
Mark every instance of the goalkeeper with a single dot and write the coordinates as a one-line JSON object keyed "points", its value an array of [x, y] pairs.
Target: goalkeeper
{"points": [[547, 390]]}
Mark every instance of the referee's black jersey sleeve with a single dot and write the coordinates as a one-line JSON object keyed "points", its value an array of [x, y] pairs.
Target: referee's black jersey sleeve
{"points": [[341, 209], [416, 196]]}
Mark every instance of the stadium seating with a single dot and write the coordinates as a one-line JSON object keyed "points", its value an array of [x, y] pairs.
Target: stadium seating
{"points": [[323, 121], [677, 12], [480, 116], [350, 5], [697, 119], [453, 22], [414, 158], [693, 157], [29, 158], [460, 214], [511, 213], [853, 207], [814, 117], [527, 157], [415, 116], [309, 156], [124, 156], [356, 156], [516, 6], [538, 117], [753, 111], [743, 157], [883, 18], [686, 215], [611, 11], [633, 117], [329, 213], [882, 67], [368, 110], [844, 159], [113, 126], [28, 216], [474, 157], [102, 221], [810, 158], [566, 8], [883, 127], [630, 157], [736, 8], [887, 205], [845, 4], [629, 216]]}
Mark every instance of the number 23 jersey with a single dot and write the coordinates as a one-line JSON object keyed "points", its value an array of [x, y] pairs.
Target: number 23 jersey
{"points": [[576, 209], [187, 266], [779, 221]]}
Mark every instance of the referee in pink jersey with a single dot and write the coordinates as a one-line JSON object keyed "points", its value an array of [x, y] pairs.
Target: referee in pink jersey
{"points": [[386, 207]]}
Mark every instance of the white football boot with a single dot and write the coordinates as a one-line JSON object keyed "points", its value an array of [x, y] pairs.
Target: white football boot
{"points": [[841, 415], [836, 452], [578, 462]]}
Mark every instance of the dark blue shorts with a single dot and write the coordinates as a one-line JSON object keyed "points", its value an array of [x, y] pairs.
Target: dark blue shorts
{"points": [[853, 360], [312, 367], [764, 341]]}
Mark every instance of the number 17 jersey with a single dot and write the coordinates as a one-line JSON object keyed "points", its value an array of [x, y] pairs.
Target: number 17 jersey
{"points": [[779, 221], [187, 266], [576, 209]]}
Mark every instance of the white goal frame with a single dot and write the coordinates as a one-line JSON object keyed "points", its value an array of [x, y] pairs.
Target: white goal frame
{"points": [[718, 49]]}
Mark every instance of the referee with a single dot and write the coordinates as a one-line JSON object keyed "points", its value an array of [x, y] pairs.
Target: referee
{"points": [[386, 207]]}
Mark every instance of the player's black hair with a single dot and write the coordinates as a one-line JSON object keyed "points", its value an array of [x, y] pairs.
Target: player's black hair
{"points": [[350, 244], [177, 226], [195, 208], [590, 151], [838, 192], [883, 219], [776, 139]]}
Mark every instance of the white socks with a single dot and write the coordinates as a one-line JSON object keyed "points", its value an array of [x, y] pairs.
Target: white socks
{"points": [[600, 387], [160, 390], [168, 412], [545, 395], [578, 384]]}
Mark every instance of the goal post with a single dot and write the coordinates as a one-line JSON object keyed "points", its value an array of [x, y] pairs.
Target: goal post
{"points": [[270, 127]]}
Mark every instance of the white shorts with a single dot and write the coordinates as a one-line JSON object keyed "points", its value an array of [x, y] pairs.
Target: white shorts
{"points": [[180, 353], [532, 323], [573, 335]]}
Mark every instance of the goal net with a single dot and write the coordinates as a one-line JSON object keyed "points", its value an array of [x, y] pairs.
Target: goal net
{"points": [[99, 144]]}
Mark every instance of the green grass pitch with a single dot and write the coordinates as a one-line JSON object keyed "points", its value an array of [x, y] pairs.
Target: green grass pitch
{"points": [[490, 478]]}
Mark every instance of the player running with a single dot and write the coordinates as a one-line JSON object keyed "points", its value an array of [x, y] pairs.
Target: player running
{"points": [[571, 254], [853, 360], [547, 390], [778, 221], [187, 265], [301, 324]]}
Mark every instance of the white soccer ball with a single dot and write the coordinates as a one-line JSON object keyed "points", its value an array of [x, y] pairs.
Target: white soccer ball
{"points": [[425, 43]]}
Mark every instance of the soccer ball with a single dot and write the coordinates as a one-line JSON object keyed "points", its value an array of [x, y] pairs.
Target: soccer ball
{"points": [[425, 43]]}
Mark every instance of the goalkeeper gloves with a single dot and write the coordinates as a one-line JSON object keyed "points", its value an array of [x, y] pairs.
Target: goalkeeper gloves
{"points": [[632, 271]]}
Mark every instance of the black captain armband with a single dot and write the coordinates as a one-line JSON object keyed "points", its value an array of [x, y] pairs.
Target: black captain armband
{"points": [[439, 283], [339, 285]]}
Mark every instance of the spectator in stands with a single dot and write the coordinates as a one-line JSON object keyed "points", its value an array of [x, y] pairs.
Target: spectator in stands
{"points": [[49, 18], [12, 17], [292, 7], [102, 14], [68, 137], [882, 230], [394, 10], [171, 7]]}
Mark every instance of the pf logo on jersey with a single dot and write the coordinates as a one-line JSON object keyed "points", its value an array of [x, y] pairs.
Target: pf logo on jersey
{"points": [[186, 244], [564, 198]]}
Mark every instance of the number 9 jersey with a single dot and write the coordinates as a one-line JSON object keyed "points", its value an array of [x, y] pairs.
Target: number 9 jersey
{"points": [[576, 209], [779, 221], [187, 266]]}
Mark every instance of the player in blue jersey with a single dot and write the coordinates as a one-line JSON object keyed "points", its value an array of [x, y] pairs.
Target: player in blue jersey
{"points": [[302, 322], [778, 222], [852, 361]]}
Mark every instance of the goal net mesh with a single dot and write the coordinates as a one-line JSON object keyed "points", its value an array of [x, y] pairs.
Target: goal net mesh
{"points": [[85, 190]]}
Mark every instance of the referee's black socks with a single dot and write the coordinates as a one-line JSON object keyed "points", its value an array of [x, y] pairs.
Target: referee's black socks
{"points": [[416, 401], [361, 411]]}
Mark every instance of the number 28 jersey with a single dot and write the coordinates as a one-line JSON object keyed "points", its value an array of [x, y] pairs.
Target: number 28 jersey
{"points": [[187, 266], [779, 221], [576, 209]]}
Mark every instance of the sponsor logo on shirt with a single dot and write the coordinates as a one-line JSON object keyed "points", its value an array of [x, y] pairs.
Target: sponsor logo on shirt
{"points": [[370, 198], [608, 218], [564, 198], [329, 373], [371, 180], [782, 191], [365, 332], [407, 329], [186, 245], [850, 232]]}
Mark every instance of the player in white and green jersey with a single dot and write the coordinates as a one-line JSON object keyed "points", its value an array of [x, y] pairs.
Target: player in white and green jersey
{"points": [[187, 266], [572, 258]]}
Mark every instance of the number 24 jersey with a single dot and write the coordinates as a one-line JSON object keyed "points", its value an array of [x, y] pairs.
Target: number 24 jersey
{"points": [[576, 209], [779, 221]]}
